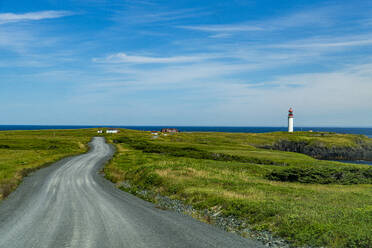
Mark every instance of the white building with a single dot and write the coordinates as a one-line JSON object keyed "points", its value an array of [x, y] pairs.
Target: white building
{"points": [[290, 120], [99, 131], [112, 131]]}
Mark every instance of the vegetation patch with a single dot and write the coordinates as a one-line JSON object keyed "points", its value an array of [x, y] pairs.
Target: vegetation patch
{"points": [[360, 148], [191, 152], [323, 175], [306, 201], [22, 152]]}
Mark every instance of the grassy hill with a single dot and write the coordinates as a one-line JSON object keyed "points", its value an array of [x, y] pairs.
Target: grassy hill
{"points": [[305, 200]]}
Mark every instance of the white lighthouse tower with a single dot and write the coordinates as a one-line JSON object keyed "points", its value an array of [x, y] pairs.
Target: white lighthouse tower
{"points": [[290, 120]]}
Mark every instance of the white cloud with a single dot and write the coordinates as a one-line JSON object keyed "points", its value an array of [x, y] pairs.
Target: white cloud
{"points": [[314, 17], [331, 98], [32, 16], [139, 16], [124, 58], [326, 43], [318, 17], [224, 28]]}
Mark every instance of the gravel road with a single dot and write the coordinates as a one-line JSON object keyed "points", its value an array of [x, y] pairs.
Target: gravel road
{"points": [[70, 205]]}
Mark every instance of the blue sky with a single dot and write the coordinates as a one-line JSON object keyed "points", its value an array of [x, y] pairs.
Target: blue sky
{"points": [[210, 62]]}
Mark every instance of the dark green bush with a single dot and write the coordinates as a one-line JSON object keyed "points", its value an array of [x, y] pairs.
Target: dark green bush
{"points": [[323, 175], [359, 242], [361, 151]]}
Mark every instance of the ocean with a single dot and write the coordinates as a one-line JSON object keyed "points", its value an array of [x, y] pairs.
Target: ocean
{"points": [[348, 130]]}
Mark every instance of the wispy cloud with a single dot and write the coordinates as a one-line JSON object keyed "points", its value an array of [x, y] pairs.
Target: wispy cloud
{"points": [[239, 98], [327, 44], [148, 56], [224, 28], [134, 59], [332, 44], [323, 16], [139, 16], [318, 17], [32, 16]]}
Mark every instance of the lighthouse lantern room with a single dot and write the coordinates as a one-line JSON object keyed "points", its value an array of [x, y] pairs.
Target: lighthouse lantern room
{"points": [[290, 120]]}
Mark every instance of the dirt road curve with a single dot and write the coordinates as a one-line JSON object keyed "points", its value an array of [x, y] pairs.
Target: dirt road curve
{"points": [[70, 205]]}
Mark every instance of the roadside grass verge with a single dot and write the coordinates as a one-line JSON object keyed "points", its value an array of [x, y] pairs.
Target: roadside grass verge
{"points": [[22, 152], [310, 213]]}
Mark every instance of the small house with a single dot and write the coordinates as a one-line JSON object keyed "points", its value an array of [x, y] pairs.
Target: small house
{"points": [[100, 131], [110, 130], [170, 130]]}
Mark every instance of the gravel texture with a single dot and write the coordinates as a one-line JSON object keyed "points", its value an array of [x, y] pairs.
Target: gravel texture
{"points": [[212, 216]]}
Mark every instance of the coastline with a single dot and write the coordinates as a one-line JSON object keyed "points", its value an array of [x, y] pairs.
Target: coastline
{"points": [[226, 129]]}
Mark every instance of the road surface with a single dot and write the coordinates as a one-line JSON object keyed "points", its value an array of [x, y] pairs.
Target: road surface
{"points": [[70, 205]]}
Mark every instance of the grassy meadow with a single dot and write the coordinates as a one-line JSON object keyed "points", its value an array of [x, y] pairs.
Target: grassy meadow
{"points": [[307, 201], [22, 152], [304, 200]]}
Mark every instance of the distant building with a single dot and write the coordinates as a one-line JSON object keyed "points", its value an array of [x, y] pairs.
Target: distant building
{"points": [[290, 120], [154, 132], [100, 131], [170, 130], [110, 130]]}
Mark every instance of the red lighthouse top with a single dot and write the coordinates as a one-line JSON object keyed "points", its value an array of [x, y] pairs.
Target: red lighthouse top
{"points": [[290, 114]]}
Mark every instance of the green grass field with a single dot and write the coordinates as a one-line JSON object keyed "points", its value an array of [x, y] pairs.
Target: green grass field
{"points": [[22, 152], [302, 199]]}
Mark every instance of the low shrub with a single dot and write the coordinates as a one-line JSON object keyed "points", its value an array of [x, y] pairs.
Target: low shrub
{"points": [[362, 150], [323, 175]]}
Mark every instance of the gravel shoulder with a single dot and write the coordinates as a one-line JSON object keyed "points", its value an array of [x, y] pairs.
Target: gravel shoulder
{"points": [[69, 204]]}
